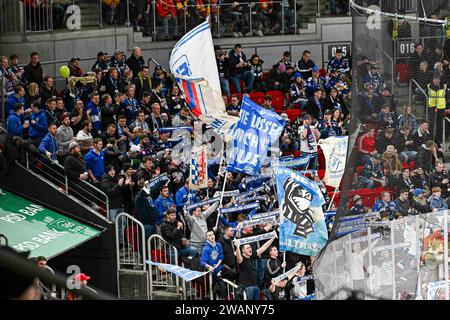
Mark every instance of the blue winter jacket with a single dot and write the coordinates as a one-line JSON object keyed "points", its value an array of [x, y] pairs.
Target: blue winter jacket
{"points": [[161, 206], [49, 144], [96, 163], [38, 129]]}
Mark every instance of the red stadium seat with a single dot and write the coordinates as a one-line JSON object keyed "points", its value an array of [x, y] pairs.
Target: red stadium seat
{"points": [[264, 76], [277, 100], [232, 87], [131, 234], [158, 255], [258, 97], [293, 114], [322, 72], [404, 72], [321, 158], [297, 153]]}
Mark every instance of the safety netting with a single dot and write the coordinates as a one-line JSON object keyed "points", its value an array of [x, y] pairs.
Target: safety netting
{"points": [[385, 243]]}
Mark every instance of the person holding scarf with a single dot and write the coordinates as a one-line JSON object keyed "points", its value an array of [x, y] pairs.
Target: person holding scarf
{"points": [[308, 142]]}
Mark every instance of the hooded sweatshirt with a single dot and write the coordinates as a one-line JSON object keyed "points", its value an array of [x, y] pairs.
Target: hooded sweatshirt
{"points": [[211, 255], [198, 225]]}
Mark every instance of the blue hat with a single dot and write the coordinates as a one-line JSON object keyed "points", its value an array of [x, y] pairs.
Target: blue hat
{"points": [[306, 116], [297, 75], [418, 191], [315, 69]]}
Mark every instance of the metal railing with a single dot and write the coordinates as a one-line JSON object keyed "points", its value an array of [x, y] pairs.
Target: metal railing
{"points": [[161, 281], [80, 189], [132, 278], [198, 289], [232, 291], [29, 16], [425, 96]]}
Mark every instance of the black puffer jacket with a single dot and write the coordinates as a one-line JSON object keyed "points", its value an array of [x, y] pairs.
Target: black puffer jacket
{"points": [[114, 192]]}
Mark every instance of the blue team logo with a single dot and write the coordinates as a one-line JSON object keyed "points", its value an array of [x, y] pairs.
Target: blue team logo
{"points": [[182, 66]]}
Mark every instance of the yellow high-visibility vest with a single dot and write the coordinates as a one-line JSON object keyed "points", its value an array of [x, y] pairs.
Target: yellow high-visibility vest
{"points": [[447, 28], [436, 98], [394, 29]]}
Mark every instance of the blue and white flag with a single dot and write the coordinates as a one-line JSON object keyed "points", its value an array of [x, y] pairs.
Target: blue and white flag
{"points": [[186, 274], [335, 153], [198, 177], [256, 130], [193, 63], [293, 162], [239, 208], [303, 229]]}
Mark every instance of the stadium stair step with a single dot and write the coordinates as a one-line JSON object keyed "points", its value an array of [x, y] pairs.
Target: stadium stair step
{"points": [[89, 13]]}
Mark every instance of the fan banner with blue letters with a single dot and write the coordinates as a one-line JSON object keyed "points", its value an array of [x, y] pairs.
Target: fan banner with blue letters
{"points": [[256, 130], [186, 274], [302, 229], [335, 153]]}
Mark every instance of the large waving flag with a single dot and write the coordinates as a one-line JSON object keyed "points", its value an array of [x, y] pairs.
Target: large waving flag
{"points": [[335, 153], [256, 130], [302, 229], [193, 63]]}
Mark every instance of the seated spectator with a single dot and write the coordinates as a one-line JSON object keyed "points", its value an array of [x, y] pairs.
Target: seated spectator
{"points": [[143, 82], [383, 203], [373, 77], [48, 90], [369, 102], [421, 179], [33, 94], [117, 62], [427, 156], [373, 173], [407, 119], [182, 118], [239, 69], [172, 232], [404, 143], [277, 79], [436, 202], [141, 123], [101, 64], [339, 63], [84, 137], [222, 67], [405, 182], [48, 146], [358, 207], [175, 101], [420, 202], [198, 226], [135, 62], [297, 92], [95, 162], [257, 68], [384, 140], [422, 135], [212, 254], [314, 82], [367, 144], [234, 107], [268, 103], [392, 164], [385, 117], [439, 177], [402, 205], [335, 100]]}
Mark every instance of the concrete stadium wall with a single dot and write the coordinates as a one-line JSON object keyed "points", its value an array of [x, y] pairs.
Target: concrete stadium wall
{"points": [[85, 44]]}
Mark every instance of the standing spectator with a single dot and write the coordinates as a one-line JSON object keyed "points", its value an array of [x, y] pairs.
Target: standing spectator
{"points": [[229, 259], [415, 60], [308, 141], [126, 80], [84, 137], [95, 162], [172, 232], [436, 107], [8, 75], [155, 120], [168, 14], [38, 124], [305, 65], [135, 62], [222, 67], [118, 63], [143, 82], [110, 83], [198, 226], [64, 137], [424, 77], [74, 164], [339, 63], [50, 112], [435, 201], [246, 261], [33, 94], [33, 71], [17, 97], [108, 111], [14, 122], [113, 188], [93, 108], [239, 69], [212, 254], [78, 116], [314, 106], [141, 123], [101, 64], [272, 269], [426, 156], [374, 78], [145, 211], [48, 145], [131, 104], [163, 202]]}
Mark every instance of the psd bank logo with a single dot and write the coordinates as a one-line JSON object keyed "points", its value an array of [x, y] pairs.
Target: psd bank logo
{"points": [[182, 66], [374, 19]]}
